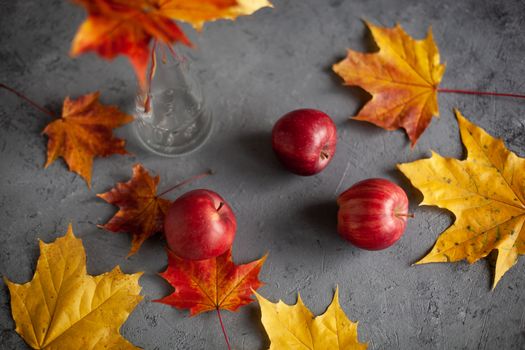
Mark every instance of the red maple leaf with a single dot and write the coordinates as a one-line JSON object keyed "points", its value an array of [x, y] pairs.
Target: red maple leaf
{"points": [[212, 284], [141, 209]]}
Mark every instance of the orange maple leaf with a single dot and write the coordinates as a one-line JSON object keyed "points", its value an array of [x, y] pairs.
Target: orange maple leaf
{"points": [[402, 77], [126, 27], [198, 12], [84, 132], [141, 211], [212, 284]]}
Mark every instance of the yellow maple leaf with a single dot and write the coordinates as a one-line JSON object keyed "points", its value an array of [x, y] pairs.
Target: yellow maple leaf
{"points": [[64, 308], [294, 326], [197, 13], [485, 192], [402, 78]]}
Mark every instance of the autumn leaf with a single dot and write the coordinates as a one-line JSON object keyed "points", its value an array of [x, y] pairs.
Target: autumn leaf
{"points": [[212, 284], [141, 211], [294, 327], [198, 12], [127, 27], [485, 192], [402, 78], [64, 308], [85, 131], [115, 27]]}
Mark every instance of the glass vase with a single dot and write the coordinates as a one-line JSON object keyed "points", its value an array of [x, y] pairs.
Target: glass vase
{"points": [[177, 121]]}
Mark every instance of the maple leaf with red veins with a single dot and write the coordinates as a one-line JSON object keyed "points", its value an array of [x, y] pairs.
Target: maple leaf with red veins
{"points": [[212, 284], [402, 77], [141, 211], [125, 27]]}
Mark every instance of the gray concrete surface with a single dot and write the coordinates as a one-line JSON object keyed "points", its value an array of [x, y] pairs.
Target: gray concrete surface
{"points": [[255, 70]]}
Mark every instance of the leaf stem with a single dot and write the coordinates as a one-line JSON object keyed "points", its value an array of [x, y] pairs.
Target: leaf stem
{"points": [[174, 54], [473, 92], [28, 100], [185, 182], [151, 74], [223, 329]]}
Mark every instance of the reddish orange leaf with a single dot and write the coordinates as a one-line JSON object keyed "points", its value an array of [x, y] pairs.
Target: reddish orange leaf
{"points": [[213, 284], [141, 211], [402, 78], [125, 27], [84, 132]]}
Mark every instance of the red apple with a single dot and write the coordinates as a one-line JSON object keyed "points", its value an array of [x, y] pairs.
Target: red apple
{"points": [[372, 214], [200, 225], [304, 141]]}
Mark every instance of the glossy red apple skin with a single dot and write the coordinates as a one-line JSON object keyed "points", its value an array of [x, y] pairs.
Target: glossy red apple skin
{"points": [[304, 140], [372, 214], [199, 225]]}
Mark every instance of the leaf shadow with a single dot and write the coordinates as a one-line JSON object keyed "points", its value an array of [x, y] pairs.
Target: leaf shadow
{"points": [[253, 315], [361, 97], [162, 287], [414, 195], [354, 93], [367, 42]]}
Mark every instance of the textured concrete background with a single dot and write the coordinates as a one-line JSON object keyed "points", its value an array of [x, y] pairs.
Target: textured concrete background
{"points": [[255, 70]]}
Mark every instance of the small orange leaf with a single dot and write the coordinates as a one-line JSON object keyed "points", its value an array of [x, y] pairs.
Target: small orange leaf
{"points": [[125, 27], [402, 78], [84, 132], [141, 211], [217, 283]]}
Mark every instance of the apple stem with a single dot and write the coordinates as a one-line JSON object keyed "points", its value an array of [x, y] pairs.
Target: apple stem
{"points": [[28, 100], [223, 329], [405, 215], [473, 92], [185, 182], [220, 206], [324, 155]]}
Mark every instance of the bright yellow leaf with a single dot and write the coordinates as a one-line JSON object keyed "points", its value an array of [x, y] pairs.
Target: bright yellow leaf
{"points": [[486, 193], [64, 308], [402, 78], [198, 12], [294, 326]]}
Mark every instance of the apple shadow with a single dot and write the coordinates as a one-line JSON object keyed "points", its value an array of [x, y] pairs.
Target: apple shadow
{"points": [[259, 157], [322, 218]]}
